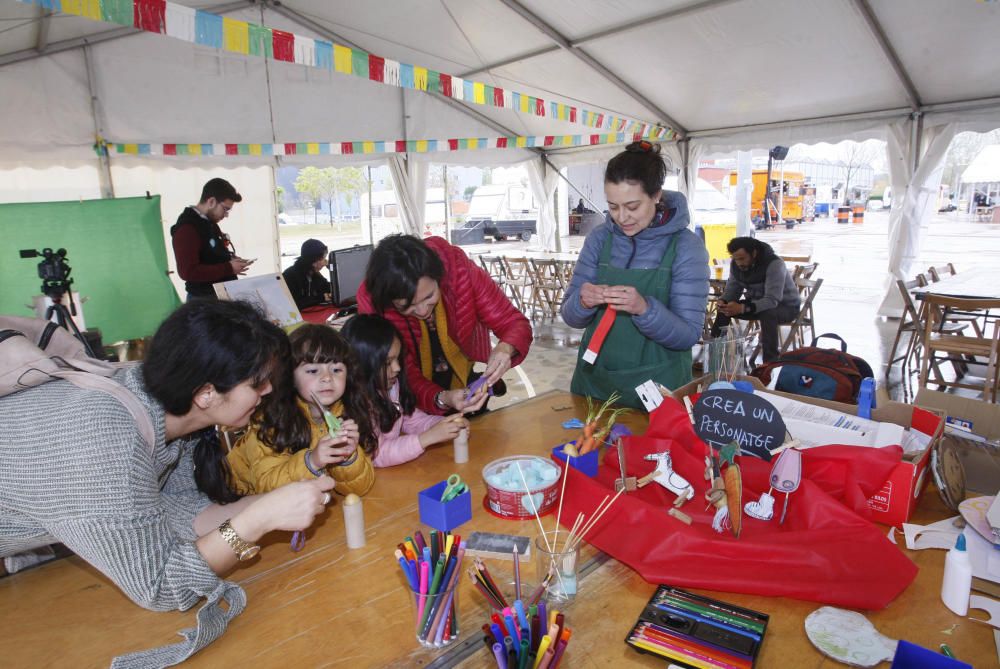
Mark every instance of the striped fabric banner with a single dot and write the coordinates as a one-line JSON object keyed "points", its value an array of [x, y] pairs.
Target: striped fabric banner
{"points": [[207, 29], [370, 146]]}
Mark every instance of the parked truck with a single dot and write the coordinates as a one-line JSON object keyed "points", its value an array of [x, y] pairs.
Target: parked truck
{"points": [[499, 211]]}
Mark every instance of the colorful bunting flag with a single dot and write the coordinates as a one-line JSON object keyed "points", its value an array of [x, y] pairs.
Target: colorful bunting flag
{"points": [[207, 29]]}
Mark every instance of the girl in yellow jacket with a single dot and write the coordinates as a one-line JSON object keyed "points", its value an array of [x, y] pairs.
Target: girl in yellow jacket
{"points": [[288, 440]]}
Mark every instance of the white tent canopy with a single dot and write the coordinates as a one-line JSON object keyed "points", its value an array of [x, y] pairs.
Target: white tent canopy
{"points": [[722, 74], [985, 167]]}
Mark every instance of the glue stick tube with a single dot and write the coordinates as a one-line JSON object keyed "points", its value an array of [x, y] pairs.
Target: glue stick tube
{"points": [[957, 582]]}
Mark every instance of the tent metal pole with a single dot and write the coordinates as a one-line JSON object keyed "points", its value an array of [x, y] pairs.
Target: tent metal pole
{"points": [[890, 53], [106, 182], [601, 34], [593, 64]]}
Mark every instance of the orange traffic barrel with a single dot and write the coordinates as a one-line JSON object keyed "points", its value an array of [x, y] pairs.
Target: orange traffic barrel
{"points": [[859, 214], [843, 215]]}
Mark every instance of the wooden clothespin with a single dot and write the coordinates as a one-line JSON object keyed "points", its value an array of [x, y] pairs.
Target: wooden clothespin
{"points": [[625, 481]]}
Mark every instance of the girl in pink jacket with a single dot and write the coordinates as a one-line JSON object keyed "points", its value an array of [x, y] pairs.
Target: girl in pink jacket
{"points": [[404, 431]]}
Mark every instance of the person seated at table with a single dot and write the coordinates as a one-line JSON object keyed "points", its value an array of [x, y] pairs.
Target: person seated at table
{"points": [[646, 264], [759, 288], [444, 307], [290, 440], [404, 431], [156, 519], [581, 208], [305, 278]]}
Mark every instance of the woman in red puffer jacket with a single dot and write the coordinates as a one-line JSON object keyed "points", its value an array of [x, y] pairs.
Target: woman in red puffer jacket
{"points": [[445, 308]]}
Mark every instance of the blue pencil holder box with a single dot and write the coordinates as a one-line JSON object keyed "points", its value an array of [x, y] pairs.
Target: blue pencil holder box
{"points": [[911, 656], [585, 464], [443, 516]]}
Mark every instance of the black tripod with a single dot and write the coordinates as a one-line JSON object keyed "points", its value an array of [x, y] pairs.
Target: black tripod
{"points": [[65, 319]]}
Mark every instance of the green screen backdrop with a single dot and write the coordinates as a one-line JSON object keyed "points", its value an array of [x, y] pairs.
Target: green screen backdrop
{"points": [[117, 253]]}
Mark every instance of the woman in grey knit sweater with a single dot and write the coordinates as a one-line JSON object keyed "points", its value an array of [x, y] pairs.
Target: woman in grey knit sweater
{"points": [[160, 523]]}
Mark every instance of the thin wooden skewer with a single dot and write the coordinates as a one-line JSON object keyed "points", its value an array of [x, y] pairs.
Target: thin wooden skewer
{"points": [[562, 494], [595, 520], [572, 531], [534, 509]]}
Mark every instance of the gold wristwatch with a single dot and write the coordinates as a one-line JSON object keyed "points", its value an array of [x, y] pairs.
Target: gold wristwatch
{"points": [[244, 549]]}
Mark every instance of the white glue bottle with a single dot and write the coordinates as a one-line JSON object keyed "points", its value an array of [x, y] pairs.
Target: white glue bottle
{"points": [[462, 446], [354, 521], [957, 583]]}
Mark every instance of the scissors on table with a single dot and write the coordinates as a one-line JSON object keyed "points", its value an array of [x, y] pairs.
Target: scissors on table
{"points": [[453, 488]]}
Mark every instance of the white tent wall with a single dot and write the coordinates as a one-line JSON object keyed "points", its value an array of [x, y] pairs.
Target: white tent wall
{"points": [[50, 184], [251, 225], [543, 179]]}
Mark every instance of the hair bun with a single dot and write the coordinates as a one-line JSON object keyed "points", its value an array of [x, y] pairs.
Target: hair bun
{"points": [[643, 146]]}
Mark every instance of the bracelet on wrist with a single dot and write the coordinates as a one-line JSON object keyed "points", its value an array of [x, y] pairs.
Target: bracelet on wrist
{"points": [[349, 461], [309, 466], [439, 403]]}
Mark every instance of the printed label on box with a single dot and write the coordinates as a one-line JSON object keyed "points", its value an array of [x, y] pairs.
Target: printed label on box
{"points": [[880, 500], [959, 423]]}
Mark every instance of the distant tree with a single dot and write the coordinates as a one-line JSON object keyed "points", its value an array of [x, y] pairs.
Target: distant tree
{"points": [[279, 199], [962, 151], [348, 182], [469, 192], [318, 184], [857, 155]]}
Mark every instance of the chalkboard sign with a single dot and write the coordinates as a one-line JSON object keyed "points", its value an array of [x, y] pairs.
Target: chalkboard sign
{"points": [[724, 416]]}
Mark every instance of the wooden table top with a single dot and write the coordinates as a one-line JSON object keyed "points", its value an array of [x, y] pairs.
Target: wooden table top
{"points": [[333, 607], [975, 283]]}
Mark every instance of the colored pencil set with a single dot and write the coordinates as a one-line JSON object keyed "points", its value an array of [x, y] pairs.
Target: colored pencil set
{"points": [[520, 639], [432, 570], [698, 632]]}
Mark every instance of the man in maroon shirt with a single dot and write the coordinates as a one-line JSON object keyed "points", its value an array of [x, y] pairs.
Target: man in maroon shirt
{"points": [[203, 253]]}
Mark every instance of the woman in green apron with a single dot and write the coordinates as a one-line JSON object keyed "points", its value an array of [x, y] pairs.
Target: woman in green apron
{"points": [[646, 264]]}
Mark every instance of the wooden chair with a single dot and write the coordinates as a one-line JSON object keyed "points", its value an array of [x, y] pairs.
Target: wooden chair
{"points": [[796, 328], [973, 319], [547, 287], [520, 278], [959, 349], [912, 323], [804, 271], [944, 270], [495, 267]]}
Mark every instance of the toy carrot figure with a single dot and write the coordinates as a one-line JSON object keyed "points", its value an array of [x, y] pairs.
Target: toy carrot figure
{"points": [[726, 492], [593, 435]]}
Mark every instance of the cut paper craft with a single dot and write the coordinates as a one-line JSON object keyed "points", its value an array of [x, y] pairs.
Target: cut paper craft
{"points": [[786, 474], [670, 479], [984, 557], [941, 534], [848, 637], [974, 512], [991, 606]]}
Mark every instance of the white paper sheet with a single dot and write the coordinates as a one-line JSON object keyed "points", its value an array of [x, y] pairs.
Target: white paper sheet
{"points": [[942, 534], [984, 557]]}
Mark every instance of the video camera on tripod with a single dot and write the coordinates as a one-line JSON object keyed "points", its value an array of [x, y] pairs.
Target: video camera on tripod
{"points": [[54, 272]]}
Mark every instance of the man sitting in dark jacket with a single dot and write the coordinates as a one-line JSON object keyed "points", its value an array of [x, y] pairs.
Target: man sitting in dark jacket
{"points": [[771, 295], [305, 282]]}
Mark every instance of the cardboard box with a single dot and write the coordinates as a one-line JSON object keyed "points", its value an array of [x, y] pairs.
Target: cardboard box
{"points": [[980, 461], [895, 502]]}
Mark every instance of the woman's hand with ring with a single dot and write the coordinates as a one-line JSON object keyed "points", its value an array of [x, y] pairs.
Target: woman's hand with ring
{"points": [[292, 506]]}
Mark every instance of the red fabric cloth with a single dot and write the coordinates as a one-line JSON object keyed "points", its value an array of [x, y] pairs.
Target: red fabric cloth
{"points": [[475, 306], [824, 552]]}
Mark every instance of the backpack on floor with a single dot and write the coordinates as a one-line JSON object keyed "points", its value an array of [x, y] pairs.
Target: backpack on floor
{"points": [[818, 372], [34, 351]]}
